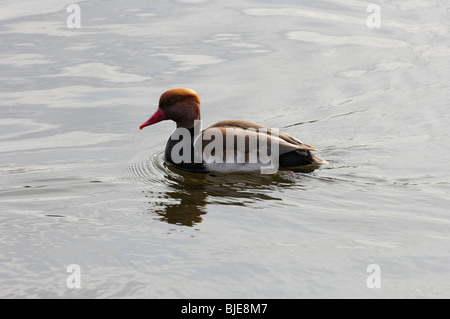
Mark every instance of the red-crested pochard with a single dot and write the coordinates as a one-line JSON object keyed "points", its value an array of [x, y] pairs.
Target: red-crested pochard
{"points": [[209, 150]]}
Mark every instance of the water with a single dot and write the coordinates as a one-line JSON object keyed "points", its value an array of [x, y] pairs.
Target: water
{"points": [[80, 184]]}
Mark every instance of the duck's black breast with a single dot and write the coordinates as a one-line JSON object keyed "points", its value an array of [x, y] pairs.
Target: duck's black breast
{"points": [[178, 153]]}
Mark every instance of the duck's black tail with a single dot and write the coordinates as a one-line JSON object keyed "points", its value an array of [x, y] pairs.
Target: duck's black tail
{"points": [[300, 158]]}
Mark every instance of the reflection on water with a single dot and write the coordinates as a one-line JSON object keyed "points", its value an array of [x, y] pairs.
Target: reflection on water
{"points": [[181, 198], [183, 202]]}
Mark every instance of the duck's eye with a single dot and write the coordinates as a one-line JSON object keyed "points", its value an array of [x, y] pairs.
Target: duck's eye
{"points": [[171, 102]]}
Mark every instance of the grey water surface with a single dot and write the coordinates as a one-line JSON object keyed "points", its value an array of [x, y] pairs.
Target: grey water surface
{"points": [[80, 184]]}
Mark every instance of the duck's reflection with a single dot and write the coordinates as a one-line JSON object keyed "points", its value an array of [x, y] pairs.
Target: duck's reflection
{"points": [[187, 200], [187, 195]]}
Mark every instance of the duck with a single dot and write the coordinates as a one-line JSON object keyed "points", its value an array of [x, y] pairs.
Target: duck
{"points": [[229, 145]]}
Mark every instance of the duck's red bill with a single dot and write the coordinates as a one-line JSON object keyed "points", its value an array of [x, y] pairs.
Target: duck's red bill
{"points": [[157, 117]]}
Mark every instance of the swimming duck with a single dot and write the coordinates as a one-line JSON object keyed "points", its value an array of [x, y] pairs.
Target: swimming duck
{"points": [[227, 146]]}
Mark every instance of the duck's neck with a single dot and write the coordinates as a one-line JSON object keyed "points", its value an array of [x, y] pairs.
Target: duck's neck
{"points": [[189, 124], [191, 162]]}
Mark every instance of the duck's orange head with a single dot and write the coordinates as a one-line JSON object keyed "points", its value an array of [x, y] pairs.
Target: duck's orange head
{"points": [[179, 105]]}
